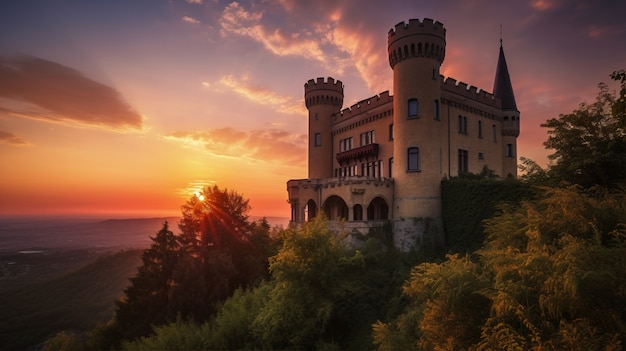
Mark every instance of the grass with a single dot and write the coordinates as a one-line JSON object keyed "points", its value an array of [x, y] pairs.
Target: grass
{"points": [[75, 301]]}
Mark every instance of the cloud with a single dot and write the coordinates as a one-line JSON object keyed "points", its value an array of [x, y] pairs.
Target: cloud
{"points": [[243, 87], [198, 2], [11, 139], [270, 145], [189, 19], [300, 42], [40, 89]]}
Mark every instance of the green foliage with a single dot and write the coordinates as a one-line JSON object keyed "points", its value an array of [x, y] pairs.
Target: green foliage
{"points": [[444, 311], [188, 275], [147, 298], [551, 275], [469, 201], [590, 143], [175, 336]]}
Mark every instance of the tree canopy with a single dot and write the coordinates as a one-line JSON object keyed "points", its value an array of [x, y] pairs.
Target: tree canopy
{"points": [[590, 143]]}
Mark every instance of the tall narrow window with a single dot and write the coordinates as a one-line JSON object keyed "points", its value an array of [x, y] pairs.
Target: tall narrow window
{"points": [[413, 159], [436, 110], [318, 139], [413, 108], [367, 138], [391, 132], [462, 124], [463, 161], [509, 150], [494, 132], [480, 129], [391, 167], [345, 144]]}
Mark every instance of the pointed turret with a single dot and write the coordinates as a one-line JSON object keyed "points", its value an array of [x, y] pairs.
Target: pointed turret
{"points": [[502, 87]]}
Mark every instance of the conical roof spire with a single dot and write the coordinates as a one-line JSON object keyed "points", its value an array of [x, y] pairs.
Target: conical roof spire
{"points": [[502, 87]]}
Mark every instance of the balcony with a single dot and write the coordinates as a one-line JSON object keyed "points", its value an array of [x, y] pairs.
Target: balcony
{"points": [[358, 153]]}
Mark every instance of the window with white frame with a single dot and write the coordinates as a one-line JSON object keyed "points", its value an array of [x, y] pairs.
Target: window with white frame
{"points": [[367, 138]]}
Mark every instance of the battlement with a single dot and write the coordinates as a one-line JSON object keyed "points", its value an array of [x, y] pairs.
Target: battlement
{"points": [[323, 92], [415, 26], [461, 88], [366, 105], [425, 38], [323, 84]]}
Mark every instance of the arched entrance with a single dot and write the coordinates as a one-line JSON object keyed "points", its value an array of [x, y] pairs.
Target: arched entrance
{"points": [[335, 208], [377, 209]]}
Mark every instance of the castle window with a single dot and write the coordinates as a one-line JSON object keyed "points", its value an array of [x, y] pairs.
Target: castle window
{"points": [[345, 144], [318, 139], [462, 124], [494, 132], [413, 159], [413, 108], [436, 110], [509, 150], [480, 129], [391, 167], [481, 156], [391, 132], [463, 161], [367, 138]]}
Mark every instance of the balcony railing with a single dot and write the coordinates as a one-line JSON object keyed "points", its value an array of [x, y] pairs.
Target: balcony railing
{"points": [[357, 153]]}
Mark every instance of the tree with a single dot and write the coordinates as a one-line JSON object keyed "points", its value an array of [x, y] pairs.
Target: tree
{"points": [[590, 143], [147, 299], [223, 251]]}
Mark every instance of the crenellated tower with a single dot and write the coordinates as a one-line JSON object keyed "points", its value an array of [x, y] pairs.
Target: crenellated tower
{"points": [[416, 51], [323, 98], [503, 90]]}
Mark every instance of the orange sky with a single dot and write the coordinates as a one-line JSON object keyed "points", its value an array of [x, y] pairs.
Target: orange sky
{"points": [[125, 108]]}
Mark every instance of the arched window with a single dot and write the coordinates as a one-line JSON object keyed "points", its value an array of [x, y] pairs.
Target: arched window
{"points": [[413, 108], [436, 110], [413, 159]]}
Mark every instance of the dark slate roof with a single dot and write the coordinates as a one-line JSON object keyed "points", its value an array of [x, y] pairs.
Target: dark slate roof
{"points": [[502, 87]]}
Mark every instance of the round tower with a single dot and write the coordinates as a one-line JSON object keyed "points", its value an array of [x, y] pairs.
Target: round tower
{"points": [[322, 99], [416, 51]]}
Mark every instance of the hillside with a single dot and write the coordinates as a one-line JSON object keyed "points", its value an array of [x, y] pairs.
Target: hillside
{"points": [[77, 300]]}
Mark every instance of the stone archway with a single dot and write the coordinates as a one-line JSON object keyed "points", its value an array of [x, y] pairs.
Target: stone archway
{"points": [[377, 209], [335, 208]]}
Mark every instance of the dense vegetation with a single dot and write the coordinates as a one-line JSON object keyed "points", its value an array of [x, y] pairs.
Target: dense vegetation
{"points": [[545, 271]]}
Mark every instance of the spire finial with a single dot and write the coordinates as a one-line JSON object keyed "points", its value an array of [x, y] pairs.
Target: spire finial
{"points": [[500, 35]]}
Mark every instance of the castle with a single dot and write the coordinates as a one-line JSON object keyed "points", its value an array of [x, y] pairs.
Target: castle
{"points": [[383, 159]]}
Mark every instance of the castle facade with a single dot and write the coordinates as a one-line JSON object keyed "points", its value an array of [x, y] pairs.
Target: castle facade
{"points": [[383, 158]]}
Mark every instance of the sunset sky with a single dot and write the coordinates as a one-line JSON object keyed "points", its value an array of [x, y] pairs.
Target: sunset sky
{"points": [[126, 108]]}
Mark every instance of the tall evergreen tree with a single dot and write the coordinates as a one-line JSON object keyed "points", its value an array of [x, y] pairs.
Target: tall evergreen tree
{"points": [[148, 297]]}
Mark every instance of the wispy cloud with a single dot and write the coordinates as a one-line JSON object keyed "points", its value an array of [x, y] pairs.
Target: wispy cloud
{"points": [[282, 103], [11, 139], [270, 145], [40, 89], [302, 42], [198, 2], [189, 19]]}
